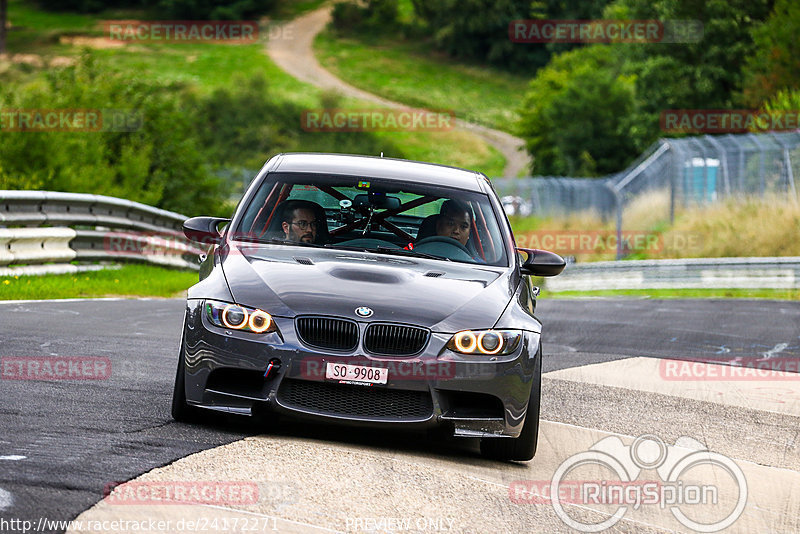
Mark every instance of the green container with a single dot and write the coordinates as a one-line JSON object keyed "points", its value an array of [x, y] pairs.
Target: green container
{"points": [[700, 181]]}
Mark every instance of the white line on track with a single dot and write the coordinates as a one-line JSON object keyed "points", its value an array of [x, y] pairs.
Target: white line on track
{"points": [[6, 499]]}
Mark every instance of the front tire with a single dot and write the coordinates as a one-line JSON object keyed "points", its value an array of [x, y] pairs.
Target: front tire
{"points": [[182, 411], [522, 448]]}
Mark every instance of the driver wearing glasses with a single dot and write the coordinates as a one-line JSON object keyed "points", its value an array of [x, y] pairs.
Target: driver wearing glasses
{"points": [[300, 225]]}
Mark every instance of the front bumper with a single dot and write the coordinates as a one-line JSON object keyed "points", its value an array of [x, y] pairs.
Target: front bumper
{"points": [[473, 396]]}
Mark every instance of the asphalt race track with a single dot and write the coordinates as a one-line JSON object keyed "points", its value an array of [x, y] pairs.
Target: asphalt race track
{"points": [[63, 442]]}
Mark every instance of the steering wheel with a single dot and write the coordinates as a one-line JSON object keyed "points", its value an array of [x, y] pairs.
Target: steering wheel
{"points": [[443, 239]]}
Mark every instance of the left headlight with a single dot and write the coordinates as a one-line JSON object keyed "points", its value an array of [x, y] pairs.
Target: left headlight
{"points": [[485, 342], [235, 317]]}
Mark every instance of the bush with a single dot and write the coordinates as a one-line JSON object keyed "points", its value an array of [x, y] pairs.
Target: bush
{"points": [[215, 9], [374, 16], [185, 144], [173, 9], [160, 163], [88, 6], [576, 115]]}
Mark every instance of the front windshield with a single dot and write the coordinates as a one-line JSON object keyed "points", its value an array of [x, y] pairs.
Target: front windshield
{"points": [[374, 215]]}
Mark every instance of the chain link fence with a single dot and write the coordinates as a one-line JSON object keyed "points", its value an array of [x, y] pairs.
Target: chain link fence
{"points": [[694, 170]]}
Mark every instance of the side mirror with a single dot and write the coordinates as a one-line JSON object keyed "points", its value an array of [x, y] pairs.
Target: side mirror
{"points": [[541, 262], [204, 229]]}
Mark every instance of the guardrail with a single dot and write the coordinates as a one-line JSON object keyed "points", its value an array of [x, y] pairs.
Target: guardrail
{"points": [[695, 273], [45, 227], [58, 228]]}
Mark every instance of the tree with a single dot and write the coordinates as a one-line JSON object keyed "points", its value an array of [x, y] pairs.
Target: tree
{"points": [[478, 29], [3, 18], [575, 118], [618, 91], [775, 62]]}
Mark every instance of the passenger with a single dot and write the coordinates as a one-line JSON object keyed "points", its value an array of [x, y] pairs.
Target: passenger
{"points": [[454, 221]]}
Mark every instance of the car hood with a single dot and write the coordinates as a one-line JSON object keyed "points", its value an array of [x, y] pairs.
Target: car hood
{"points": [[444, 296]]}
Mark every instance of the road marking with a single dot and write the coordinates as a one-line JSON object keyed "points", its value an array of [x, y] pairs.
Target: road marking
{"points": [[775, 350], [379, 473], [772, 391], [13, 457], [6, 500]]}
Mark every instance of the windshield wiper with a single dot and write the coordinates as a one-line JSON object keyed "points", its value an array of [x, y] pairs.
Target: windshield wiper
{"points": [[404, 252], [378, 250], [278, 241], [391, 250]]}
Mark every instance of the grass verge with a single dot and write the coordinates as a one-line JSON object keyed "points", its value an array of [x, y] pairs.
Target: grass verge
{"points": [[412, 73], [771, 294], [207, 67], [735, 227], [210, 67], [129, 281]]}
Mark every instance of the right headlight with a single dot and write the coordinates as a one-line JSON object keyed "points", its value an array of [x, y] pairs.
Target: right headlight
{"points": [[485, 342], [237, 317]]}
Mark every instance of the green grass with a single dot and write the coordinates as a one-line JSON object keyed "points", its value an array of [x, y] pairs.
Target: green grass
{"points": [[211, 66], [129, 281], [411, 73], [37, 31], [208, 66], [24, 15], [772, 294]]}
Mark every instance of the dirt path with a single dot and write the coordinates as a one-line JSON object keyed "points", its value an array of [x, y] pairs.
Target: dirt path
{"points": [[294, 54]]}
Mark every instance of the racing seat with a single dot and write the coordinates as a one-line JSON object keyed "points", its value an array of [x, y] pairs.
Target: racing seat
{"points": [[275, 229], [427, 228]]}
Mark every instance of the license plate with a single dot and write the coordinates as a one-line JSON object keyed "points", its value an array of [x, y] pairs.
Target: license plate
{"points": [[360, 374]]}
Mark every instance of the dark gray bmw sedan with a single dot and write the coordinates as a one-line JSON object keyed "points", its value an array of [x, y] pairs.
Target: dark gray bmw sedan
{"points": [[369, 291]]}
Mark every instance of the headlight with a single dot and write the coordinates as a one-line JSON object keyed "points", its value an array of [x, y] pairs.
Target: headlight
{"points": [[485, 342], [237, 317]]}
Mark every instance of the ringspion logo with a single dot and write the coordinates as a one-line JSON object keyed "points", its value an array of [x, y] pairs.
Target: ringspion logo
{"points": [[690, 478]]}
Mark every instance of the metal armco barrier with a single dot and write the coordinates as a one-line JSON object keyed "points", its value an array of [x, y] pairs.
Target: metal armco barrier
{"points": [[695, 273], [63, 227]]}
